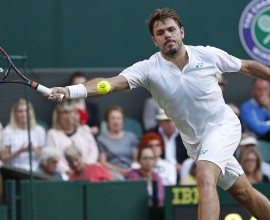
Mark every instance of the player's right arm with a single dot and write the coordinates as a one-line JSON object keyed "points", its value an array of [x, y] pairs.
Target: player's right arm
{"points": [[117, 83]]}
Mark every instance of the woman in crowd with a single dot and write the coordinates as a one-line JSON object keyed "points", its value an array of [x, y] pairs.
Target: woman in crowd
{"points": [[118, 148], [82, 171], [190, 179], [1, 133], [48, 161], [88, 111], [16, 138], [66, 130], [164, 168], [146, 159], [250, 161]]}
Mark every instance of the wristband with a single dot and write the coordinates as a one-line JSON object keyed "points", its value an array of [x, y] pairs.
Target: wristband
{"points": [[77, 91]]}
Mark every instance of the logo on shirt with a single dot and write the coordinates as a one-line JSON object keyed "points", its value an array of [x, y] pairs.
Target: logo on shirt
{"points": [[203, 152], [254, 30], [199, 65]]}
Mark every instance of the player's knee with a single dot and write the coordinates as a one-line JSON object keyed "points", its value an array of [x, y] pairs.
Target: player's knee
{"points": [[205, 180], [206, 176]]}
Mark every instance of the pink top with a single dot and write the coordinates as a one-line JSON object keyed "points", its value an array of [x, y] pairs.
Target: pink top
{"points": [[136, 174], [82, 138], [94, 173]]}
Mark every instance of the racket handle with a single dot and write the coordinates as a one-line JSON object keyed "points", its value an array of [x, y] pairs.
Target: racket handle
{"points": [[46, 90]]}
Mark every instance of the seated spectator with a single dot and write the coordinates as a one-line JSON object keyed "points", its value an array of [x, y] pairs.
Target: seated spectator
{"points": [[48, 161], [222, 84], [66, 130], [118, 148], [190, 179], [255, 113], [174, 149], [250, 161], [146, 159], [186, 167], [150, 111], [1, 134], [88, 111], [162, 167], [248, 140], [82, 171], [16, 138]]}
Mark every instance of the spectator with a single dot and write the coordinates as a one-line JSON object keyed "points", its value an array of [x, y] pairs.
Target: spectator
{"points": [[84, 171], [185, 168], [118, 148], [88, 111], [146, 159], [16, 137], [162, 167], [222, 84], [248, 140], [255, 113], [66, 130], [174, 149], [48, 161], [250, 161], [190, 179], [1, 134], [150, 111]]}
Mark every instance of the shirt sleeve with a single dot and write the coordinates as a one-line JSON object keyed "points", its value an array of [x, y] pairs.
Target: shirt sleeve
{"points": [[136, 75], [224, 61]]}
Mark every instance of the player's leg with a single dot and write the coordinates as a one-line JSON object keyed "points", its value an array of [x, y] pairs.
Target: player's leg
{"points": [[255, 202], [207, 174]]}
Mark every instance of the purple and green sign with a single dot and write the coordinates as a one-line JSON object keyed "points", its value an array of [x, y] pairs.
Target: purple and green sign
{"points": [[254, 30]]}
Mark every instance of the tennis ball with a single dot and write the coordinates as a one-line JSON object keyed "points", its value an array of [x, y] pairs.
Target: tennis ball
{"points": [[103, 87]]}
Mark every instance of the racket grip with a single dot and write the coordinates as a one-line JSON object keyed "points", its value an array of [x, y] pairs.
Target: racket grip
{"points": [[46, 90]]}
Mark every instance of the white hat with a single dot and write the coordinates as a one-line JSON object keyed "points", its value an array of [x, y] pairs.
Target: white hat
{"points": [[161, 115], [221, 79], [248, 140]]}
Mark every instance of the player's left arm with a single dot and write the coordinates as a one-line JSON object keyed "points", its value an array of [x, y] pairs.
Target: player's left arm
{"points": [[256, 69], [89, 88], [117, 83]]}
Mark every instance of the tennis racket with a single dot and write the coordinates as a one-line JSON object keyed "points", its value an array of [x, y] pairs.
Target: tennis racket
{"points": [[6, 65]]}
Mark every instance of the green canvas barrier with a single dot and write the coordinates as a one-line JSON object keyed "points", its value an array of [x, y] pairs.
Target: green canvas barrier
{"points": [[117, 201], [80, 200], [3, 212]]}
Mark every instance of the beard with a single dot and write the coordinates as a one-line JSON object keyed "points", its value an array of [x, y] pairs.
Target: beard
{"points": [[173, 52]]}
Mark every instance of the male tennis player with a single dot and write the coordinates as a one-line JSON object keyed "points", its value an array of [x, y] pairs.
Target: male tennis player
{"points": [[182, 80]]}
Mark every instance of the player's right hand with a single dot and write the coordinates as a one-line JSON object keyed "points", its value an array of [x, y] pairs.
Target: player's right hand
{"points": [[56, 94]]}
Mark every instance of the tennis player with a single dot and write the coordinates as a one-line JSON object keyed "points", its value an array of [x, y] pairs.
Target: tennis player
{"points": [[182, 80]]}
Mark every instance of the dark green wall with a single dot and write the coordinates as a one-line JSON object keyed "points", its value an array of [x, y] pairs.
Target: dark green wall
{"points": [[99, 33]]}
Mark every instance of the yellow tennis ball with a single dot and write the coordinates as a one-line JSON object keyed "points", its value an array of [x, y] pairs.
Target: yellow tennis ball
{"points": [[103, 87]]}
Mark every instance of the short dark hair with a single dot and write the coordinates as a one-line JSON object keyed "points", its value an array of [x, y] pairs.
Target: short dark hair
{"points": [[162, 15], [113, 108], [75, 75]]}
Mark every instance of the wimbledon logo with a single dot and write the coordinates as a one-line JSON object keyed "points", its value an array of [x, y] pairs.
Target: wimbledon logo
{"points": [[254, 30]]}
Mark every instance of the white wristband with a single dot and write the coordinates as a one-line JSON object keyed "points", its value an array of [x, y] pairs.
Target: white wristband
{"points": [[77, 91]]}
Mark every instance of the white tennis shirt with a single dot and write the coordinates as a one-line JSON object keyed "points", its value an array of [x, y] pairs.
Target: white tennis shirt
{"points": [[192, 97]]}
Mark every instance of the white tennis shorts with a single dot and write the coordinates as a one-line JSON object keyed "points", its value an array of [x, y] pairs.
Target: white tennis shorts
{"points": [[218, 146]]}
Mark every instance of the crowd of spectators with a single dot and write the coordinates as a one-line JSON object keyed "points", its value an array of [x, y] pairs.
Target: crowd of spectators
{"points": [[74, 149]]}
